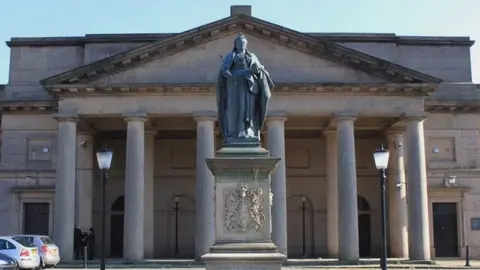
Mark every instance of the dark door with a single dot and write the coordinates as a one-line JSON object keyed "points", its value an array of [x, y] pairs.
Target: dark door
{"points": [[36, 218], [364, 235], [445, 234], [116, 235]]}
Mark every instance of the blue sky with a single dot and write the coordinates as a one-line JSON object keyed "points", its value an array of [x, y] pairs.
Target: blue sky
{"points": [[21, 18]]}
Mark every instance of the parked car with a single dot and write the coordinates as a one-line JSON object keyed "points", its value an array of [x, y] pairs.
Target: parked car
{"points": [[21, 250], [7, 263], [48, 251]]}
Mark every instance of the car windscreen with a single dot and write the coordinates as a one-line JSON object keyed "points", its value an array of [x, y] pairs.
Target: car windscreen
{"points": [[46, 240], [24, 241]]}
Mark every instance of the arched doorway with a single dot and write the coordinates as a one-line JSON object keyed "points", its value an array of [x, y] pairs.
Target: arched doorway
{"points": [[116, 227], [364, 227]]}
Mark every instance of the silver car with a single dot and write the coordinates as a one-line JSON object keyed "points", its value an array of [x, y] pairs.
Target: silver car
{"points": [[7, 263], [21, 250], [47, 250]]}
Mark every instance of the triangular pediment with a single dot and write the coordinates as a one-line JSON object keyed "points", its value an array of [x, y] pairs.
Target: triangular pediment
{"points": [[285, 45]]}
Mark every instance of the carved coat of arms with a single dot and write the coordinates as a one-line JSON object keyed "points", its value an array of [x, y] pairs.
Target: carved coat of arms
{"points": [[243, 209]]}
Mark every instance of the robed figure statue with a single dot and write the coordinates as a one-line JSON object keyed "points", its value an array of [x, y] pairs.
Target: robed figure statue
{"points": [[244, 88]]}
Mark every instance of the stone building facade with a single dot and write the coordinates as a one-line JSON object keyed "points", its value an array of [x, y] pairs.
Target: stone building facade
{"points": [[150, 98]]}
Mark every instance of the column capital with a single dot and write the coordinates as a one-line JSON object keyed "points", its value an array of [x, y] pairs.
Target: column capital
{"points": [[66, 117], [344, 116], [204, 116], [395, 130], [413, 118], [135, 116], [277, 116]]}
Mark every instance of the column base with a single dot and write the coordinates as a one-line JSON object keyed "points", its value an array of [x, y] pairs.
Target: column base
{"points": [[252, 256]]}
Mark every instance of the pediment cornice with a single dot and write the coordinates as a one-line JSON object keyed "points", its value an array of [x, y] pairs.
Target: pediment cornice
{"points": [[29, 107], [280, 88], [303, 42]]}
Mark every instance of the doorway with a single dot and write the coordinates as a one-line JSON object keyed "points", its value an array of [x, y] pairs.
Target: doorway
{"points": [[445, 230], [116, 227], [36, 217], [364, 227]]}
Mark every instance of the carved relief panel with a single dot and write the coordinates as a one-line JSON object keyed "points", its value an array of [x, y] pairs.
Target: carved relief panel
{"points": [[243, 210]]}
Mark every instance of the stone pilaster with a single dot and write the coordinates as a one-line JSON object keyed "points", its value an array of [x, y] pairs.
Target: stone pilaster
{"points": [[276, 146], [205, 184], [397, 194], [332, 193], [64, 213], [418, 222], [84, 179], [133, 237], [348, 249], [149, 226]]}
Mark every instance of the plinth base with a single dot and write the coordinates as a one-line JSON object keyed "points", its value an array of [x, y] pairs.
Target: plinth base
{"points": [[244, 256]]}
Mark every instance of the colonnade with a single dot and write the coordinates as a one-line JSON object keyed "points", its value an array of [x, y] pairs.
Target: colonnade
{"points": [[342, 213]]}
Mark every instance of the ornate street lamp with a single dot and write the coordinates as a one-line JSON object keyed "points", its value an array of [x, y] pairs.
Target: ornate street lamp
{"points": [[381, 162], [104, 159]]}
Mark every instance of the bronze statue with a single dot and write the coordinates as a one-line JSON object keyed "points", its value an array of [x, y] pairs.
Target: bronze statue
{"points": [[244, 88]]}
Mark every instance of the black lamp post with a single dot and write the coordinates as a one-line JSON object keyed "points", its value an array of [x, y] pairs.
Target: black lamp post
{"points": [[303, 207], [176, 208], [104, 159], [381, 162]]}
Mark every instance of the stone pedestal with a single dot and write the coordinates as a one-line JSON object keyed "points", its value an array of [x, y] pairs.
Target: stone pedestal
{"points": [[243, 202]]}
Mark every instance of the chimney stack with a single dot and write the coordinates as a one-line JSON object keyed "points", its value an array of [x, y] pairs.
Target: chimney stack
{"points": [[240, 10]]}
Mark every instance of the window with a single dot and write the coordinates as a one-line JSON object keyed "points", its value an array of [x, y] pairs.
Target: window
{"points": [[46, 240], [5, 245], [24, 241]]}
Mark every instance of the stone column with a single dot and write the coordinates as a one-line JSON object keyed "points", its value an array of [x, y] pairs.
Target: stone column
{"points": [[397, 194], [418, 223], [276, 146], [133, 236], [332, 193], [348, 249], [205, 185], [64, 213], [149, 225], [84, 180]]}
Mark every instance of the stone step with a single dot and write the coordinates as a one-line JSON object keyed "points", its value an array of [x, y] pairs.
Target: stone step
{"points": [[186, 263]]}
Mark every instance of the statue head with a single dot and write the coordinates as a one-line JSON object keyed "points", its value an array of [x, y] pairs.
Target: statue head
{"points": [[240, 43]]}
